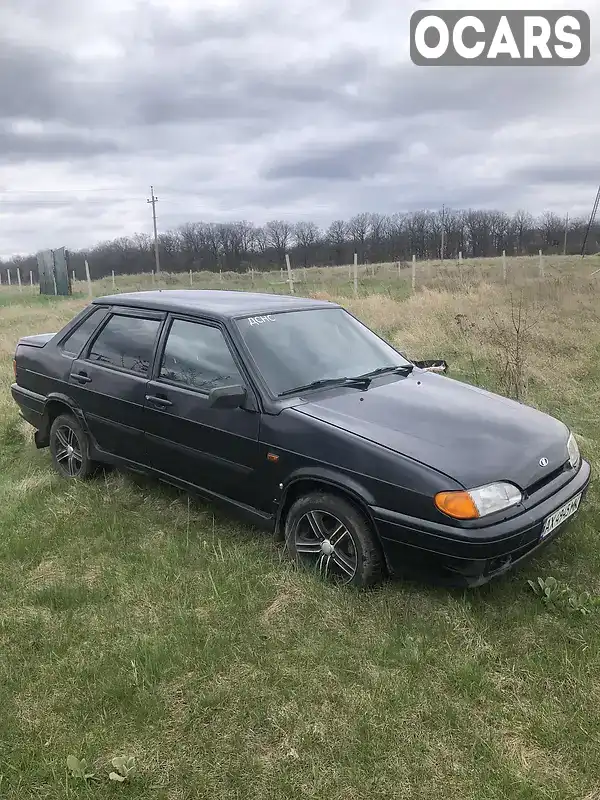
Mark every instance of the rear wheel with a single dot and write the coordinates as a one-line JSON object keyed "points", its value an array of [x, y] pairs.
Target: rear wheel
{"points": [[70, 448], [328, 534]]}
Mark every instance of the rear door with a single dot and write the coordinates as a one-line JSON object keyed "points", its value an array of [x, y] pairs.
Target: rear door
{"points": [[213, 449], [108, 381]]}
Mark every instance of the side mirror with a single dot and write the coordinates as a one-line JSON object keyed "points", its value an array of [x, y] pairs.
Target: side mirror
{"points": [[227, 397], [438, 365]]}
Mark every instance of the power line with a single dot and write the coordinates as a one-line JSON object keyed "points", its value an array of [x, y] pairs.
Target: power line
{"points": [[153, 201]]}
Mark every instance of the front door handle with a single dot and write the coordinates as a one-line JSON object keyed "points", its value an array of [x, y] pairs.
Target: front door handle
{"points": [[81, 377], [158, 401]]}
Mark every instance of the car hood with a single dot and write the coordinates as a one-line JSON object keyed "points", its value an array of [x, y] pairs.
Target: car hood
{"points": [[469, 434]]}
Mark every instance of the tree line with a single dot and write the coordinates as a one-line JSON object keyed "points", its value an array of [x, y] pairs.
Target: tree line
{"points": [[239, 246]]}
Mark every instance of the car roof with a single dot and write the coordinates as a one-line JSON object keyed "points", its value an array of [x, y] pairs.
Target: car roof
{"points": [[221, 304]]}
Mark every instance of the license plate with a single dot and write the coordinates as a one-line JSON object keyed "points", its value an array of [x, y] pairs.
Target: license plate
{"points": [[554, 520]]}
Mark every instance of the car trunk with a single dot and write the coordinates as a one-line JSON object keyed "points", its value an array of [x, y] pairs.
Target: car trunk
{"points": [[37, 340]]}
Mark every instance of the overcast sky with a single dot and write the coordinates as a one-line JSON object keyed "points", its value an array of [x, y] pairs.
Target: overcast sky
{"points": [[262, 109]]}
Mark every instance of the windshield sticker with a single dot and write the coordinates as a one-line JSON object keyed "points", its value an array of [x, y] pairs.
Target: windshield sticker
{"points": [[261, 320]]}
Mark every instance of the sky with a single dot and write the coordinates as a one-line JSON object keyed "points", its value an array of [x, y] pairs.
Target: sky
{"points": [[266, 109]]}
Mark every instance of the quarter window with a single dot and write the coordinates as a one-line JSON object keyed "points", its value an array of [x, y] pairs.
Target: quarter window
{"points": [[197, 356], [126, 343], [76, 341]]}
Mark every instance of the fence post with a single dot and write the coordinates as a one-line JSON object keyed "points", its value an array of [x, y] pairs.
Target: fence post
{"points": [[88, 278], [460, 257], [414, 272], [355, 274], [31, 279], [541, 264], [191, 279], [289, 271], [19, 279], [74, 278], [504, 266], [399, 270], [8, 274], [113, 278], [220, 275]]}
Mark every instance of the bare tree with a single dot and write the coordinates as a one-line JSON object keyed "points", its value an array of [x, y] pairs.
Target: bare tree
{"points": [[378, 229], [307, 234], [234, 245], [337, 236], [279, 236], [358, 229], [522, 223], [552, 228]]}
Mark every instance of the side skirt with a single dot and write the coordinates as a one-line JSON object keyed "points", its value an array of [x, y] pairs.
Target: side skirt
{"points": [[251, 515]]}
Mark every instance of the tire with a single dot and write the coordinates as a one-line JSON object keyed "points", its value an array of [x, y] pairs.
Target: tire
{"points": [[65, 433], [331, 535]]}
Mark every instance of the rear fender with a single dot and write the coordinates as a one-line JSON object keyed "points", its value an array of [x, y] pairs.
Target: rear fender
{"points": [[42, 435]]}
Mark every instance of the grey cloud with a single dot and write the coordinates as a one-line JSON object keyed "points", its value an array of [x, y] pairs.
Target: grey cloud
{"points": [[347, 162], [224, 89], [32, 81], [269, 109], [50, 147], [584, 174]]}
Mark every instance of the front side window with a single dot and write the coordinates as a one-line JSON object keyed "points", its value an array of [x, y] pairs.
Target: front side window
{"points": [[76, 341], [295, 348], [126, 343], [197, 356]]}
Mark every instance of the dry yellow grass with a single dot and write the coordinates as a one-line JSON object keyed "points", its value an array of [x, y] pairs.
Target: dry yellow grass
{"points": [[134, 621]]}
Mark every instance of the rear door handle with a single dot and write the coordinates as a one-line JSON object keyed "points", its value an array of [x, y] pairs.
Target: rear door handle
{"points": [[158, 401], [81, 377]]}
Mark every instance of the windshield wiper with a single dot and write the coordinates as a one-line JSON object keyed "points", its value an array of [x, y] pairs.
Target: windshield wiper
{"points": [[359, 381], [401, 369]]}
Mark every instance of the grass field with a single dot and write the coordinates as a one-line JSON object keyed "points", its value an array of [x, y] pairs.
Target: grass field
{"points": [[135, 621]]}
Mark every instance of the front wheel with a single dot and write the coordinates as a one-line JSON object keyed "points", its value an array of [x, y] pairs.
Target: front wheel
{"points": [[330, 535], [69, 448]]}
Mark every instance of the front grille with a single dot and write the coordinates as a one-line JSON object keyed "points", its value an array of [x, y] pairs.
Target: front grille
{"points": [[551, 476]]}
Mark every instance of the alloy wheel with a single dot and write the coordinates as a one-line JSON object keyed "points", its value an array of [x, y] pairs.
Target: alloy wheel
{"points": [[322, 540], [68, 451]]}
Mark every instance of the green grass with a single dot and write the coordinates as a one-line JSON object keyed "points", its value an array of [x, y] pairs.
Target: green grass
{"points": [[137, 621]]}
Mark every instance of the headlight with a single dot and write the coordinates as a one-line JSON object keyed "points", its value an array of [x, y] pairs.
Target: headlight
{"points": [[478, 502], [574, 454]]}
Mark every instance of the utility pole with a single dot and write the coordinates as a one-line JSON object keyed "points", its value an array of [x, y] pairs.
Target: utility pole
{"points": [[591, 222], [566, 233], [153, 201]]}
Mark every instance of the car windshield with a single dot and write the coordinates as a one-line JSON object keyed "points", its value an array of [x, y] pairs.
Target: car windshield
{"points": [[296, 348]]}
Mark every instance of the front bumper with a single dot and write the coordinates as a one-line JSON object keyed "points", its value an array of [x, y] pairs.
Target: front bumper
{"points": [[472, 557]]}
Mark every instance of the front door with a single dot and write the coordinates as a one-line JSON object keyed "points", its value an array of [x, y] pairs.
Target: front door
{"points": [[108, 381], [211, 449]]}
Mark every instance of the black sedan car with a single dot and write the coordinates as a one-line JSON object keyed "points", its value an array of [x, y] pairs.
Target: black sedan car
{"points": [[293, 413]]}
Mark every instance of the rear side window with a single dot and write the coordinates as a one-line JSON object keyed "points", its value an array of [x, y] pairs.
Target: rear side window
{"points": [[76, 341], [126, 343]]}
